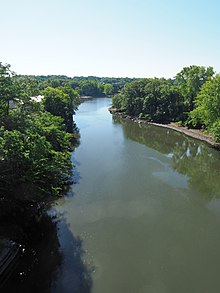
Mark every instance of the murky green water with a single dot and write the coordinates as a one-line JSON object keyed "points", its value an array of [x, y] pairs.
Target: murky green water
{"points": [[145, 213]]}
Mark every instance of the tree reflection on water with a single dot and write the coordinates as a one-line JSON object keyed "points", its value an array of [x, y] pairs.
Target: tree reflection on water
{"points": [[190, 157]]}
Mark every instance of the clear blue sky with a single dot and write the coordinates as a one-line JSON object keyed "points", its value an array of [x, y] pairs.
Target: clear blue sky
{"points": [[134, 38]]}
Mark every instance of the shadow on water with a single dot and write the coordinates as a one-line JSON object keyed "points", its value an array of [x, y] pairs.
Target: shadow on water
{"points": [[38, 264], [40, 267], [190, 157], [76, 174], [74, 276]]}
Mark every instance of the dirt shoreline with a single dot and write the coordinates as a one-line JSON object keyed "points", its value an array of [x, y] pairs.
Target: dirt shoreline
{"points": [[195, 133]]}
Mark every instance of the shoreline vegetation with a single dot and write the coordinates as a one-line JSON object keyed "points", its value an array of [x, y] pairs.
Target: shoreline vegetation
{"points": [[194, 133], [188, 103]]}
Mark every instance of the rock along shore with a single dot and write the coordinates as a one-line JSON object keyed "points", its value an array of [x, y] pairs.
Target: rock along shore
{"points": [[195, 133]]}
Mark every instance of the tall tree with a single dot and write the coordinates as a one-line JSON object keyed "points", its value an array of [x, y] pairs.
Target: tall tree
{"points": [[59, 103], [207, 107], [7, 89], [189, 81], [108, 89]]}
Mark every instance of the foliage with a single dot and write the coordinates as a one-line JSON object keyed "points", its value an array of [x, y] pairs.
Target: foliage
{"points": [[31, 159], [108, 89], [36, 138], [189, 81], [59, 103], [192, 99], [88, 86], [207, 107], [215, 130], [151, 99], [8, 90]]}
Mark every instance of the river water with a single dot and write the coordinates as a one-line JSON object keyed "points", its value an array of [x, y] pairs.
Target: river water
{"points": [[144, 213]]}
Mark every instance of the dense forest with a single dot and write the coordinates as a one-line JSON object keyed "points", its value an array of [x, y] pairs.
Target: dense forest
{"points": [[191, 99]]}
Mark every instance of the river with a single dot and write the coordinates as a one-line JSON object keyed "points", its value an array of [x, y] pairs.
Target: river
{"points": [[144, 213]]}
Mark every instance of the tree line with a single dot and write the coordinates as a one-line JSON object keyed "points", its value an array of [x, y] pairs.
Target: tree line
{"points": [[85, 86], [191, 99]]}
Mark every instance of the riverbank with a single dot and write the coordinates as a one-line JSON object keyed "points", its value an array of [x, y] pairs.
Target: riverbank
{"points": [[195, 133], [84, 98]]}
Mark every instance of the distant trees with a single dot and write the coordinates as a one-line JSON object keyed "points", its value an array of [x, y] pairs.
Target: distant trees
{"points": [[108, 89], [90, 88], [192, 99], [85, 86], [152, 99]]}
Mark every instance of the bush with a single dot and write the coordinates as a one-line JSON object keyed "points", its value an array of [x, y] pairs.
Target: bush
{"points": [[215, 130]]}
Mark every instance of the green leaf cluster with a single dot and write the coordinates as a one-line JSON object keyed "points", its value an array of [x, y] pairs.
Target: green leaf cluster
{"points": [[191, 99], [153, 99], [84, 86], [36, 139], [207, 107]]}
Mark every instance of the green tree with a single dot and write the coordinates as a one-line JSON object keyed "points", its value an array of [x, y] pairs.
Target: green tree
{"points": [[108, 89], [153, 99], [90, 88], [207, 107], [8, 89], [59, 103], [36, 138], [189, 81], [73, 95]]}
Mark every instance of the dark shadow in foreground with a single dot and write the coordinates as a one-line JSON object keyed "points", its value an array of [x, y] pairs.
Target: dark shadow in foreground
{"points": [[40, 266]]}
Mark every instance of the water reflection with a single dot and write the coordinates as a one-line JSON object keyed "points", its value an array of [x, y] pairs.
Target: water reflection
{"points": [[190, 157]]}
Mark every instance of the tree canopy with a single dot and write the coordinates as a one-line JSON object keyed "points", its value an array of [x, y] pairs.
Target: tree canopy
{"points": [[36, 137], [152, 99], [207, 107], [189, 81], [192, 99]]}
